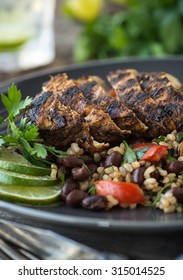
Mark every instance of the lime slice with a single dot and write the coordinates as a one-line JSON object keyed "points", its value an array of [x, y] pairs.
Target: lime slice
{"points": [[13, 178], [83, 10], [15, 28], [15, 162], [33, 196]]}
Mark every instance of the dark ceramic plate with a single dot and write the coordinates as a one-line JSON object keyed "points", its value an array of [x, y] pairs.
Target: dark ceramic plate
{"points": [[117, 221]]}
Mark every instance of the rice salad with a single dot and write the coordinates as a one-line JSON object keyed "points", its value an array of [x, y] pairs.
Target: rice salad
{"points": [[159, 177]]}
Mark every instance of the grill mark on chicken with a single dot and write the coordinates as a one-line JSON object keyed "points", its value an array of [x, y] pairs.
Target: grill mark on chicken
{"points": [[93, 88], [37, 105], [120, 76], [163, 88], [143, 105], [70, 95], [66, 112], [58, 124]]}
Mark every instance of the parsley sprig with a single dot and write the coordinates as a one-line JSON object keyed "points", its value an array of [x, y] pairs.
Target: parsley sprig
{"points": [[129, 155], [24, 134]]}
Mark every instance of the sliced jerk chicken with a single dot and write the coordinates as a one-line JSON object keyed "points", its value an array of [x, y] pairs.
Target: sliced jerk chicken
{"points": [[164, 89], [58, 124], [94, 90], [87, 112], [61, 99], [128, 89], [102, 127]]}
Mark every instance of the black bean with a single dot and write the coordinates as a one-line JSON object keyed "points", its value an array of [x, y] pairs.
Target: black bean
{"points": [[95, 202], [114, 158], [61, 170], [102, 163], [68, 186], [155, 174], [59, 161], [75, 197], [92, 167], [80, 173], [175, 167], [138, 175], [70, 161], [178, 193], [51, 157], [87, 159]]}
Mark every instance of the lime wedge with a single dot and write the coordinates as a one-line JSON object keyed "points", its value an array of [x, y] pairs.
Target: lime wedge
{"points": [[33, 196], [17, 179], [12, 161]]}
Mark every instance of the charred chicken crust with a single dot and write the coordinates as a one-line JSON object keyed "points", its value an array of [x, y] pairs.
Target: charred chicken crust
{"points": [[86, 111]]}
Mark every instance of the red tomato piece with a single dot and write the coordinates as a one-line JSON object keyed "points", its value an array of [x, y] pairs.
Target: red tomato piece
{"points": [[122, 191], [139, 146], [155, 153]]}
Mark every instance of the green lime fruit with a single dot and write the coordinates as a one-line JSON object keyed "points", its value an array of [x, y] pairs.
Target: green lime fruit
{"points": [[13, 161], [32, 196], [83, 10], [17, 179]]}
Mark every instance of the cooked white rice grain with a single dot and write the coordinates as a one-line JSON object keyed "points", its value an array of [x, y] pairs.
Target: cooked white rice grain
{"points": [[148, 171], [128, 167]]}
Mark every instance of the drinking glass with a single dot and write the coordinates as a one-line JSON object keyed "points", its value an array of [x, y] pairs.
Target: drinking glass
{"points": [[26, 34]]}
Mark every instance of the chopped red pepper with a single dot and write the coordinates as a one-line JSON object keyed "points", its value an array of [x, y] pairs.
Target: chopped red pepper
{"points": [[124, 192]]}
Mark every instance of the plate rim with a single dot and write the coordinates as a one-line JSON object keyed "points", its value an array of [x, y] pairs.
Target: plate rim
{"points": [[91, 63], [92, 223]]}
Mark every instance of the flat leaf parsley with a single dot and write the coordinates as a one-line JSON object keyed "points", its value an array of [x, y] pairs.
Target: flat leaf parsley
{"points": [[23, 135]]}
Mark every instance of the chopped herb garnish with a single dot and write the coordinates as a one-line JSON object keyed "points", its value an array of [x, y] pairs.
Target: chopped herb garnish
{"points": [[179, 136], [129, 155], [159, 139], [158, 196], [92, 190], [141, 152], [170, 156]]}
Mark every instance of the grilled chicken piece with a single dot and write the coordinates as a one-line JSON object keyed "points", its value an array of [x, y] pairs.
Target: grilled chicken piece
{"points": [[102, 128], [58, 124], [95, 90], [55, 83], [128, 89], [166, 91]]}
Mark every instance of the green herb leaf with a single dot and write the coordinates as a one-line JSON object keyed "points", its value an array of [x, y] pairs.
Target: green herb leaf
{"points": [[30, 131], [158, 196], [92, 190], [13, 102], [141, 152], [129, 155], [169, 158], [179, 136], [40, 150], [8, 140], [1, 120], [55, 152], [159, 139], [61, 176]]}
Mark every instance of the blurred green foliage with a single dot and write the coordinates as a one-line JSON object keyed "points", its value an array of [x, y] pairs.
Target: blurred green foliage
{"points": [[139, 28]]}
